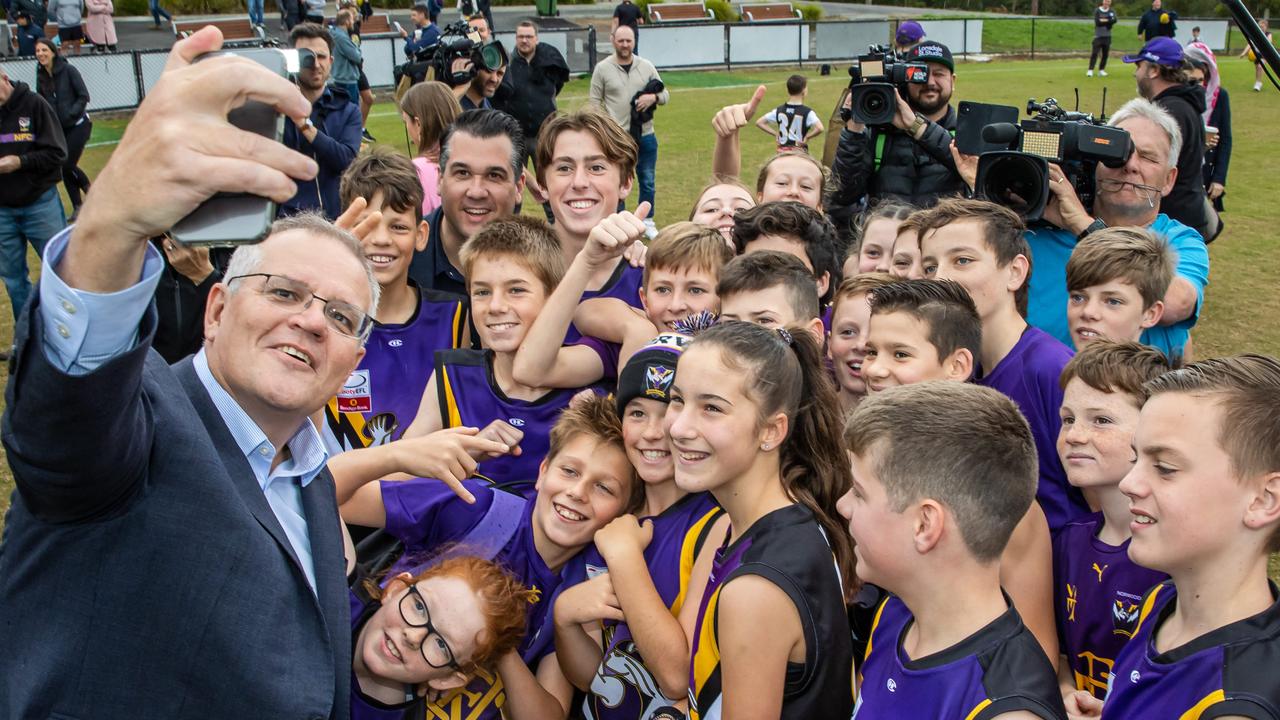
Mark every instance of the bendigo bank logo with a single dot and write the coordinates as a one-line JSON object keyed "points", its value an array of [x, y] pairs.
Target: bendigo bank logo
{"points": [[356, 395]]}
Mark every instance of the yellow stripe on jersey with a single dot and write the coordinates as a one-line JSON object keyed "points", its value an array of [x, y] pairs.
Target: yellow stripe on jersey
{"points": [[346, 426], [1208, 701], [451, 416], [459, 325], [706, 662], [688, 556], [871, 636], [1146, 607], [977, 709]]}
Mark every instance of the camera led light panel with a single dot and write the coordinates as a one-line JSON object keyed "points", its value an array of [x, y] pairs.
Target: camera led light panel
{"points": [[1044, 144]]}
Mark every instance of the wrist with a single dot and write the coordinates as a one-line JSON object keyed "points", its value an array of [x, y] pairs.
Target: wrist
{"points": [[1087, 227]]}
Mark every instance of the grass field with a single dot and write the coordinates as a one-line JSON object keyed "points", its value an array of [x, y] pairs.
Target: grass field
{"points": [[1241, 305]]}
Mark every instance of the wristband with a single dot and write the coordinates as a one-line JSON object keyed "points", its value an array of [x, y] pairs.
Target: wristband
{"points": [[1094, 227]]}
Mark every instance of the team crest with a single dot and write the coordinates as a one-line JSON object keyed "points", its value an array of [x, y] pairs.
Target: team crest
{"points": [[657, 381], [1125, 616], [24, 124]]}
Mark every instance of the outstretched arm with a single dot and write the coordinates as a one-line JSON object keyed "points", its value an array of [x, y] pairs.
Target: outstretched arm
{"points": [[727, 122]]}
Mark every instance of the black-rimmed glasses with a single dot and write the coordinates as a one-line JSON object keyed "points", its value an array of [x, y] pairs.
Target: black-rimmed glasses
{"points": [[435, 650], [296, 296]]}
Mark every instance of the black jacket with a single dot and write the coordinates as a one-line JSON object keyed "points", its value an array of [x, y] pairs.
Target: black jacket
{"points": [[180, 307], [640, 117], [64, 90], [1150, 28], [337, 143], [1217, 159], [916, 171], [34, 9], [1186, 202], [529, 89], [30, 130]]}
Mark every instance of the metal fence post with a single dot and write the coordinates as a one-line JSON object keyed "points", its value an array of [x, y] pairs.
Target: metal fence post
{"points": [[1033, 38], [964, 45], [591, 46], [137, 75]]}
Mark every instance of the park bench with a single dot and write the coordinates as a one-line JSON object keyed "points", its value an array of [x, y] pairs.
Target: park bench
{"points": [[237, 31], [767, 12], [679, 12], [377, 26]]}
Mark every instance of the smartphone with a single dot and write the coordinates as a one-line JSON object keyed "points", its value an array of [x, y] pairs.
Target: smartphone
{"points": [[972, 117], [231, 218]]}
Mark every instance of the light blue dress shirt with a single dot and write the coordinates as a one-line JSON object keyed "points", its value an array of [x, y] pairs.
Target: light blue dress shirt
{"points": [[83, 330]]}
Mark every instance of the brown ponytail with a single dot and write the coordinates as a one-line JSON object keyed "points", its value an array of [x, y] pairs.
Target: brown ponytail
{"points": [[783, 371]]}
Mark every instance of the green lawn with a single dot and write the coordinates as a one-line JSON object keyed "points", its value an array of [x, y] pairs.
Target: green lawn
{"points": [[1244, 271]]}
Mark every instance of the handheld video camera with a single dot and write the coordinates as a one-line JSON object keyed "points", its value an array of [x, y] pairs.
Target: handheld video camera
{"points": [[1018, 177], [457, 42], [876, 79]]}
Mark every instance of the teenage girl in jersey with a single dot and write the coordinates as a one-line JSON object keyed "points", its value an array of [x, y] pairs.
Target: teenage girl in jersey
{"points": [[422, 634], [754, 420]]}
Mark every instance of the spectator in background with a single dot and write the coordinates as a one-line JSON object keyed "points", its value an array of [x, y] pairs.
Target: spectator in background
{"points": [[33, 9], [346, 57], [909, 33], [28, 32], [156, 12], [1217, 136], [1195, 35], [331, 134], [424, 34], [479, 25], [255, 9], [60, 84], [1162, 78], [69, 14], [536, 74], [1104, 18], [313, 11], [627, 85], [101, 26], [31, 154], [1257, 61], [792, 123], [428, 108], [629, 14], [1157, 22]]}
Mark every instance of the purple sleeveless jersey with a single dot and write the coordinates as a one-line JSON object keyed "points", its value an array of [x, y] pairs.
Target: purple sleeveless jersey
{"points": [[1029, 375], [426, 515], [381, 398], [624, 284], [999, 669], [470, 397], [1097, 591], [1228, 671], [624, 688]]}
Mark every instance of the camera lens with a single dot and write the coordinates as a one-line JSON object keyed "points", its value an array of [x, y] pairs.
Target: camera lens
{"points": [[491, 57], [1017, 182]]}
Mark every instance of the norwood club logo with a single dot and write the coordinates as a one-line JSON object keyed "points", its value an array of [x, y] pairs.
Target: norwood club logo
{"points": [[24, 124], [355, 395], [657, 381]]}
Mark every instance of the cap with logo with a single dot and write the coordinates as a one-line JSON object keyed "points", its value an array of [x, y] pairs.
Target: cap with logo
{"points": [[909, 32], [649, 372], [1161, 51], [932, 51]]}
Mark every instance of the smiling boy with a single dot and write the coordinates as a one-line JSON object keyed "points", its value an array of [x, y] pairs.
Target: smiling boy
{"points": [[1116, 282], [770, 288], [919, 330], [378, 401]]}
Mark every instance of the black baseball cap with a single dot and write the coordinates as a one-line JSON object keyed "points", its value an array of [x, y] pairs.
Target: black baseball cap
{"points": [[932, 51]]}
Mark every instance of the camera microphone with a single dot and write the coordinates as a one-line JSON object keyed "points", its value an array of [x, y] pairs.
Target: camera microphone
{"points": [[1000, 133]]}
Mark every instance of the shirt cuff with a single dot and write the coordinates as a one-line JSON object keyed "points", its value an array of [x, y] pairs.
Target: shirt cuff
{"points": [[83, 330]]}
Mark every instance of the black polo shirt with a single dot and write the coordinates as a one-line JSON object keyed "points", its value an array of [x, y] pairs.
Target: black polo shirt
{"points": [[431, 268]]}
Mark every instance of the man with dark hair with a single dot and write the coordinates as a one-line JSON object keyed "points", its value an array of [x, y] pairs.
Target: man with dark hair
{"points": [[331, 134], [793, 228], [32, 150], [536, 74], [481, 156], [477, 94], [1104, 18], [425, 33], [1161, 72], [909, 160]]}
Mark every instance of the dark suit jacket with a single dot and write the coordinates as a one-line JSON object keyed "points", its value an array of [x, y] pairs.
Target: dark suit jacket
{"points": [[142, 572]]}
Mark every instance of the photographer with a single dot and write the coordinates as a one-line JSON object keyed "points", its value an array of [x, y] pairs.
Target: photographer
{"points": [[908, 160], [331, 134], [476, 94], [1127, 196], [1163, 78]]}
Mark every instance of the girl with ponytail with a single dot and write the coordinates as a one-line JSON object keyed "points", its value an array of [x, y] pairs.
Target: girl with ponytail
{"points": [[754, 420]]}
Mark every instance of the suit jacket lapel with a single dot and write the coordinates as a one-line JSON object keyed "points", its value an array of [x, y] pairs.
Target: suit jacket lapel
{"points": [[233, 459]]}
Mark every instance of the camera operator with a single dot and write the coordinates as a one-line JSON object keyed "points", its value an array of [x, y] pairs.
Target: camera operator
{"points": [[1164, 78], [1127, 196], [331, 134], [476, 94], [909, 160]]}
